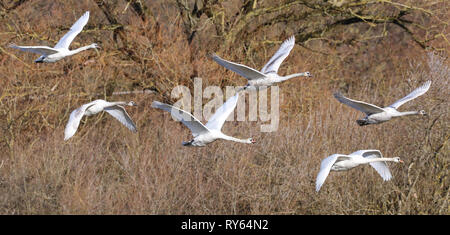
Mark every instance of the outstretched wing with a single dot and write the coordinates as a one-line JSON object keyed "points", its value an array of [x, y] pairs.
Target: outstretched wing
{"points": [[41, 50], [367, 152], [218, 119], [414, 94], [325, 167], [359, 105], [240, 69], [74, 120], [380, 167], [276, 60], [121, 114], [76, 28], [186, 118]]}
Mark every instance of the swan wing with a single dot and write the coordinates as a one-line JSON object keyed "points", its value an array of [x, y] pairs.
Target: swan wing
{"points": [[74, 120], [325, 167], [367, 152], [414, 94], [186, 118], [276, 60], [121, 114], [218, 119], [240, 69], [359, 105], [41, 50], [380, 167], [76, 28]]}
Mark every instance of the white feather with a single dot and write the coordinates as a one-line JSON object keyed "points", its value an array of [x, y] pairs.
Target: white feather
{"points": [[76, 28], [414, 94]]}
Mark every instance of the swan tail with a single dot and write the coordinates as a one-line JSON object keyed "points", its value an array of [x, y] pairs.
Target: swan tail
{"points": [[362, 122], [189, 143], [40, 59], [245, 88]]}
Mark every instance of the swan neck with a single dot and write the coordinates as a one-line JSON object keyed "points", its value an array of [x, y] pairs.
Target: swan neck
{"points": [[226, 137], [80, 49], [408, 113], [118, 103], [381, 159], [293, 76]]}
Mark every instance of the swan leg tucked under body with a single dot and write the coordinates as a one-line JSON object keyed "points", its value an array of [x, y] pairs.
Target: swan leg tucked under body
{"points": [[376, 115], [342, 162], [115, 109], [268, 75], [61, 49], [205, 134]]}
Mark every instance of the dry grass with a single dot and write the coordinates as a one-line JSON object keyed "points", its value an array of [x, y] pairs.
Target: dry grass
{"points": [[105, 169]]}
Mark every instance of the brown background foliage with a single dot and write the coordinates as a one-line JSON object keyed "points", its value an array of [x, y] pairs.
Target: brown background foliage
{"points": [[376, 51]]}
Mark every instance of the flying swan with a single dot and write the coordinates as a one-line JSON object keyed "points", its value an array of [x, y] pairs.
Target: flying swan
{"points": [[114, 108], [341, 162], [205, 134], [61, 49], [268, 75], [376, 115]]}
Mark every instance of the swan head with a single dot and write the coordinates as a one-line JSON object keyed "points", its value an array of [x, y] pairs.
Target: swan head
{"points": [[95, 45], [423, 113], [307, 74], [397, 159], [132, 103], [251, 140]]}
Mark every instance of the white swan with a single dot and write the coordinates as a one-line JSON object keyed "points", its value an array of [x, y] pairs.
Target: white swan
{"points": [[341, 162], [205, 134], [375, 114], [268, 74], [96, 106], [61, 49]]}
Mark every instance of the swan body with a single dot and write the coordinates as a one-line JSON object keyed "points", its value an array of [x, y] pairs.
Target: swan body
{"points": [[268, 75], [61, 49], [342, 162], [115, 109], [205, 134], [376, 115]]}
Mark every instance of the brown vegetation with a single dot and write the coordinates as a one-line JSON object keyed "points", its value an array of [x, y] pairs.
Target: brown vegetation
{"points": [[376, 51]]}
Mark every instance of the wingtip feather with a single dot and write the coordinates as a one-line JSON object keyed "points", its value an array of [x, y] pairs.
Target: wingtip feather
{"points": [[337, 95], [155, 104], [67, 136], [292, 38], [214, 56], [318, 188]]}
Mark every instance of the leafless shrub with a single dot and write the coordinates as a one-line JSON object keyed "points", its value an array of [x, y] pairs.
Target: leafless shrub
{"points": [[105, 169]]}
